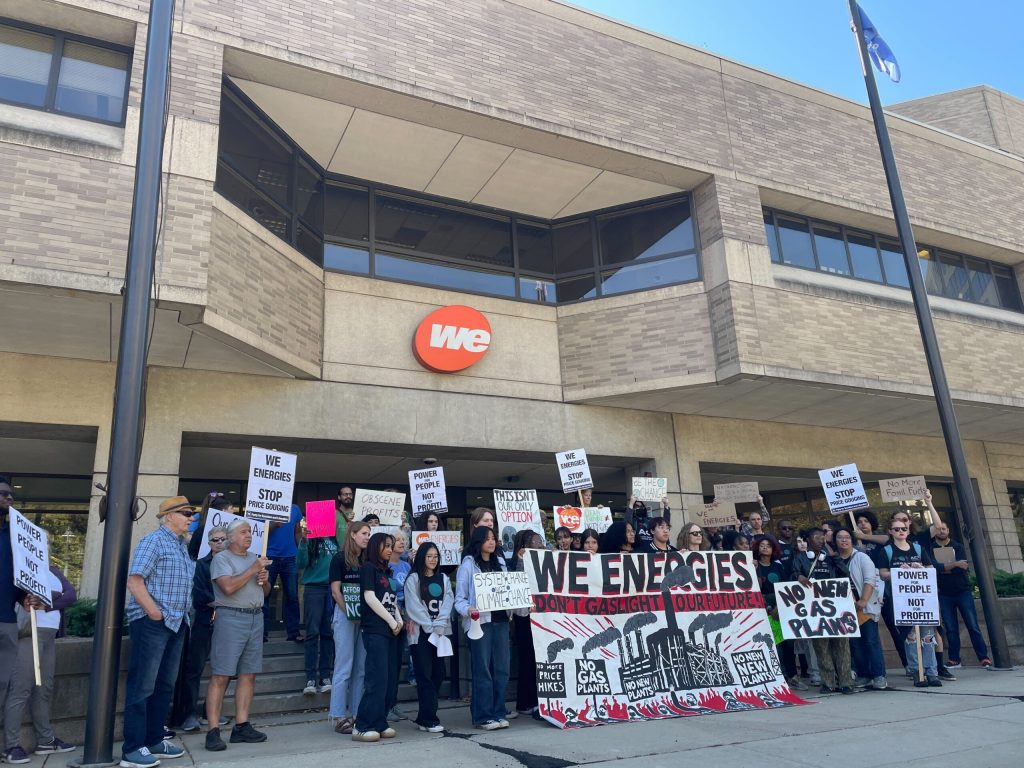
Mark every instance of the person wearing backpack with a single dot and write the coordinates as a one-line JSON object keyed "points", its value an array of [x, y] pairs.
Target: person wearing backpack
{"points": [[865, 650]]}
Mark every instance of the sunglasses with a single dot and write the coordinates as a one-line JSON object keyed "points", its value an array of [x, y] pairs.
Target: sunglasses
{"points": [[898, 528], [218, 540], [8, 494], [696, 533]]}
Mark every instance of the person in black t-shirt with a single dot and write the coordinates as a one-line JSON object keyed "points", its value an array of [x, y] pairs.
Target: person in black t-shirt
{"points": [[955, 594], [349, 655], [381, 622], [660, 533], [770, 571]]}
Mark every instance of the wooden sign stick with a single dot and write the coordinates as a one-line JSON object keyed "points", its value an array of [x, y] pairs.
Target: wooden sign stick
{"points": [[920, 659], [35, 645]]}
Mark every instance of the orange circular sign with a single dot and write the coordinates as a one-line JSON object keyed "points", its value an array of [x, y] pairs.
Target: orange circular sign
{"points": [[569, 517], [451, 339]]}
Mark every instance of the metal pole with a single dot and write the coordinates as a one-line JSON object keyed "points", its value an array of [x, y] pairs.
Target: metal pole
{"points": [[947, 416], [129, 391]]}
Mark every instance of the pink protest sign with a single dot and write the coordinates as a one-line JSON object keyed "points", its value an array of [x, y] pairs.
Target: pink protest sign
{"points": [[320, 519]]}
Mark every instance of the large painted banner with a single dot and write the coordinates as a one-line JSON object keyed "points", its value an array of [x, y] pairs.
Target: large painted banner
{"points": [[645, 637]]}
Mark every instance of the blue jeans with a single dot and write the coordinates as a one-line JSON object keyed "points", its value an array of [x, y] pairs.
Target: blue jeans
{"points": [[381, 671], [319, 607], [867, 651], [931, 664], [964, 602], [489, 657], [285, 568], [152, 670], [349, 665]]}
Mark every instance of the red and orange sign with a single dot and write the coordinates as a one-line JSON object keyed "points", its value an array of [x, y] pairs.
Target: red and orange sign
{"points": [[451, 339]]}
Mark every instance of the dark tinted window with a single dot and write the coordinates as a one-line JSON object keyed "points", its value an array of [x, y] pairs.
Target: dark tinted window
{"points": [[795, 239], [1006, 285], [257, 205], [638, 277], [576, 288], [92, 82], [646, 234], [309, 198], [347, 213], [537, 289], [536, 249], [432, 273], [574, 247], [828, 241], [954, 275], [310, 245], [346, 258], [773, 241], [253, 152], [894, 264], [864, 256]]}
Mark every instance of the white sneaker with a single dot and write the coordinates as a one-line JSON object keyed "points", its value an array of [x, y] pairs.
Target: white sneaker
{"points": [[365, 735], [490, 725], [310, 688], [511, 715], [503, 723], [431, 728], [324, 687], [388, 733]]}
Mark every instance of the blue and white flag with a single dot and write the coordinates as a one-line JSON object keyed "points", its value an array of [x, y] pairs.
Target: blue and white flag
{"points": [[879, 52]]}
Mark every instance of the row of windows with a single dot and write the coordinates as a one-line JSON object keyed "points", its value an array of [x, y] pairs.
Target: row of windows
{"points": [[63, 73], [399, 235], [801, 242]]}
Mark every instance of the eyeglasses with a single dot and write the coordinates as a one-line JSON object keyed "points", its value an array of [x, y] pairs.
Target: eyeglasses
{"points": [[696, 533], [898, 528], [8, 494], [218, 540]]}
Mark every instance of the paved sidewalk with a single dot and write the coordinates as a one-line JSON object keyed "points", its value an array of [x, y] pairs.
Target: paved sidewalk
{"points": [[976, 721]]}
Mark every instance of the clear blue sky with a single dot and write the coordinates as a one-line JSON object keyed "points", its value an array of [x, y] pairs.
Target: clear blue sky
{"points": [[940, 45]]}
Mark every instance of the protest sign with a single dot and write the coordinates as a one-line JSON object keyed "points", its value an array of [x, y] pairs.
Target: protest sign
{"points": [[915, 597], [31, 556], [215, 517], [449, 544], [388, 506], [574, 470], [350, 592], [737, 493], [516, 511], [843, 489], [622, 637], [321, 519], [903, 488], [428, 493], [824, 609], [270, 484], [502, 590], [720, 515], [578, 519], [650, 488]]}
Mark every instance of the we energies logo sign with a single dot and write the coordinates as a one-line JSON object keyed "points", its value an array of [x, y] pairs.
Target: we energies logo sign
{"points": [[451, 339]]}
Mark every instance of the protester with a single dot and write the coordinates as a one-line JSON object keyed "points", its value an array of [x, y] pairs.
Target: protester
{"points": [[864, 532], [372, 519], [240, 586], [563, 539], [638, 516], [786, 540], [831, 527], [589, 541], [314, 560], [429, 600], [343, 511], [23, 689], [691, 538], [349, 652], [429, 521], [660, 533], [832, 653], [770, 571], [381, 621], [902, 553], [955, 594], [282, 549], [619, 537], [526, 658], [400, 569], [202, 630], [159, 587], [754, 526], [10, 594], [490, 653], [866, 650], [733, 540]]}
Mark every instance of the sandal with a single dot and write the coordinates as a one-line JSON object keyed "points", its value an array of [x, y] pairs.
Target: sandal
{"points": [[344, 725]]}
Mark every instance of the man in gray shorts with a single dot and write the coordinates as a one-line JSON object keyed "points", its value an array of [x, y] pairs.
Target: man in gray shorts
{"points": [[240, 585]]}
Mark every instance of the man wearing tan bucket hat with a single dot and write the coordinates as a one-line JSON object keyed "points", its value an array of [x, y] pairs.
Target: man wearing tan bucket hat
{"points": [[160, 589]]}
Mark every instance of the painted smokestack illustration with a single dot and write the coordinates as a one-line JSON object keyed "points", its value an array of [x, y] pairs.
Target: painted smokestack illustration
{"points": [[679, 576], [633, 625]]}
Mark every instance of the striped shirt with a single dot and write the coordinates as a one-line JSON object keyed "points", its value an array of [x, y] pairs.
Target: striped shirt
{"points": [[162, 560]]}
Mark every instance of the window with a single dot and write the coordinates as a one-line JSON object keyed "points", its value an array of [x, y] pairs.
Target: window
{"points": [[645, 235], [827, 247], [637, 277], [63, 73]]}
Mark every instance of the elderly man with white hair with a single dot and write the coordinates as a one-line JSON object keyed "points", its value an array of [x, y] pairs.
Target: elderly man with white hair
{"points": [[240, 585]]}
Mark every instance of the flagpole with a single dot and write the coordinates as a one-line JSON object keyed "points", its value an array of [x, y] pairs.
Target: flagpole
{"points": [[940, 387]]}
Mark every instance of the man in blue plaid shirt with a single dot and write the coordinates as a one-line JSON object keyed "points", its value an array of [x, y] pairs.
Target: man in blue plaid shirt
{"points": [[160, 591]]}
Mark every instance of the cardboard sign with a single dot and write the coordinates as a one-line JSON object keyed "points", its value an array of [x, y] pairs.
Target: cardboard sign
{"points": [[650, 488], [737, 493], [449, 544], [428, 491], [915, 597], [578, 519], [903, 488], [31, 556], [350, 592], [388, 506], [516, 511], [721, 515], [944, 555], [270, 484], [624, 638], [321, 519], [502, 590], [215, 517], [824, 609], [574, 470], [843, 489]]}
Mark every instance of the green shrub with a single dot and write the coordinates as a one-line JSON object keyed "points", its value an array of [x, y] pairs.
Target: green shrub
{"points": [[1007, 584], [80, 618]]}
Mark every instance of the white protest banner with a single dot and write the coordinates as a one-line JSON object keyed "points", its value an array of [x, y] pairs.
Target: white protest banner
{"points": [[516, 511], [31, 556], [578, 519], [574, 470], [389, 507], [215, 517], [903, 488], [449, 544], [737, 492], [502, 590], [915, 597], [428, 491], [650, 488], [826, 608], [270, 485], [843, 489], [720, 515], [629, 637]]}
